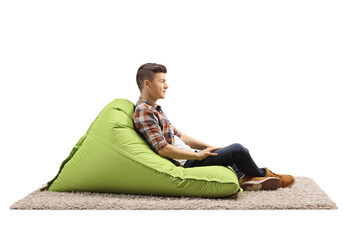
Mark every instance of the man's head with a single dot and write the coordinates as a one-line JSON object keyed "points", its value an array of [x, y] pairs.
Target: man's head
{"points": [[151, 80]]}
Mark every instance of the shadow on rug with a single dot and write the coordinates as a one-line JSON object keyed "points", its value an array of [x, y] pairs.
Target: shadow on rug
{"points": [[304, 194]]}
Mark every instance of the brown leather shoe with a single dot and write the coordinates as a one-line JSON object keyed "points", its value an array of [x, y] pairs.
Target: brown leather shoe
{"points": [[286, 180], [248, 183]]}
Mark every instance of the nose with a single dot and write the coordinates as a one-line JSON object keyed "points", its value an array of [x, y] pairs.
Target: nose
{"points": [[166, 86]]}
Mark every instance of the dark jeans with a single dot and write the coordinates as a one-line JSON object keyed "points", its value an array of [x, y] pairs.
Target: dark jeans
{"points": [[234, 155]]}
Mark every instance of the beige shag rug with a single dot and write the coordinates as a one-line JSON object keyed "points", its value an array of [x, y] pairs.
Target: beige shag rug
{"points": [[304, 194]]}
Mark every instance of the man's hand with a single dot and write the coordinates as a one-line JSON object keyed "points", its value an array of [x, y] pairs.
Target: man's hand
{"points": [[206, 153]]}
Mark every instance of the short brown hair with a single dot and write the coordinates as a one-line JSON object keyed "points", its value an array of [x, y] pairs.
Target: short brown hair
{"points": [[147, 71]]}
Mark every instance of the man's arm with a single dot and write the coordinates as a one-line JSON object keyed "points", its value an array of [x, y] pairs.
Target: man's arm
{"points": [[170, 151], [146, 123], [193, 143]]}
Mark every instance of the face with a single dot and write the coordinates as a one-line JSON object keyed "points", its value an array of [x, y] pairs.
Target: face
{"points": [[157, 88]]}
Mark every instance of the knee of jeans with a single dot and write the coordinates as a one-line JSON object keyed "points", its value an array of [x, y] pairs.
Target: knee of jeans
{"points": [[238, 147]]}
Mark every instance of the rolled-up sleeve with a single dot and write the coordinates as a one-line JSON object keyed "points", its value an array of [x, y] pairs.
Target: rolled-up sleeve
{"points": [[176, 132], [147, 124]]}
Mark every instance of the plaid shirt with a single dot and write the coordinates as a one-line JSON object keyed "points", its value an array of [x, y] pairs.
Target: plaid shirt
{"points": [[152, 123]]}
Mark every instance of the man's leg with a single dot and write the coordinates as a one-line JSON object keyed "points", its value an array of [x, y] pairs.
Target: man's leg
{"points": [[238, 172], [238, 155], [227, 156]]}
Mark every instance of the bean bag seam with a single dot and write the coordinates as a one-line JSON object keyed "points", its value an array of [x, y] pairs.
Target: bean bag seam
{"points": [[71, 155]]}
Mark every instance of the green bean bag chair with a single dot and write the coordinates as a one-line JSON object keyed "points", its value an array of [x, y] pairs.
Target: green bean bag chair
{"points": [[112, 157]]}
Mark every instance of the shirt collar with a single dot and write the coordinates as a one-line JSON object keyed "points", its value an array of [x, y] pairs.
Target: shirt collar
{"points": [[156, 106]]}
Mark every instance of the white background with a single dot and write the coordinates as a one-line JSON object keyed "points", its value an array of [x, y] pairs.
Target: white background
{"points": [[279, 77]]}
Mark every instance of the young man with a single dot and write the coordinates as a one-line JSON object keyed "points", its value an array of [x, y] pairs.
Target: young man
{"points": [[169, 142]]}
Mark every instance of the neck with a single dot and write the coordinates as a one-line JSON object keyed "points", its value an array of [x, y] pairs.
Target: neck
{"points": [[148, 97]]}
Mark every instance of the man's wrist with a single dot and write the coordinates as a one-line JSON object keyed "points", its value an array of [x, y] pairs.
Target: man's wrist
{"points": [[196, 155]]}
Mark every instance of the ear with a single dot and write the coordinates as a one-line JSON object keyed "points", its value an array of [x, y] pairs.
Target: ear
{"points": [[146, 83]]}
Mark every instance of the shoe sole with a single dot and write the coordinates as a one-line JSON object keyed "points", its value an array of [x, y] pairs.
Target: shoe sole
{"points": [[270, 183]]}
